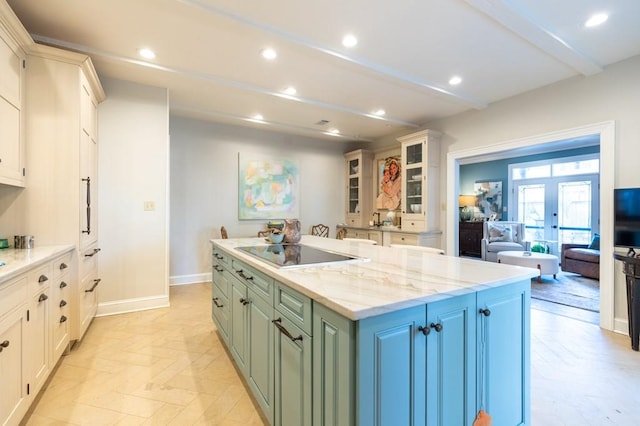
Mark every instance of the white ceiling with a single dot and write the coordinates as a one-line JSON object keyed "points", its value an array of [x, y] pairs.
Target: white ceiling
{"points": [[208, 54]]}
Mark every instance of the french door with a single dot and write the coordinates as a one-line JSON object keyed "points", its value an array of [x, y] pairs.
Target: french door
{"points": [[556, 207], [558, 212]]}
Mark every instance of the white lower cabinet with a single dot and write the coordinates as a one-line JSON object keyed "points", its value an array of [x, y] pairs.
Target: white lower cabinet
{"points": [[14, 400], [30, 341]]}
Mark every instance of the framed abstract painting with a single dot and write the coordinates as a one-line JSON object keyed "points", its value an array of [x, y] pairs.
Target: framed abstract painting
{"points": [[268, 187]]}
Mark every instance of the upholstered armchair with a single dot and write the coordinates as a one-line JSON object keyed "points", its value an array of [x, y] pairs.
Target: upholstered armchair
{"points": [[502, 236]]}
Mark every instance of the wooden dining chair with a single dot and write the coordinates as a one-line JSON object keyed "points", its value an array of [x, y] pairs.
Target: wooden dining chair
{"points": [[265, 233], [341, 233], [223, 232], [320, 230]]}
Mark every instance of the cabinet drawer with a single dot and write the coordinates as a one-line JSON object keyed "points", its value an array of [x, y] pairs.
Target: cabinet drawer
{"points": [[261, 283], [221, 312], [221, 258], [40, 278], [12, 294], [88, 261], [400, 238], [413, 225], [62, 265], [295, 306]]}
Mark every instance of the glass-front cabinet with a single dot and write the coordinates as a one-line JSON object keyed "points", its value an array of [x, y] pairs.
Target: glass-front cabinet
{"points": [[420, 181], [358, 191]]}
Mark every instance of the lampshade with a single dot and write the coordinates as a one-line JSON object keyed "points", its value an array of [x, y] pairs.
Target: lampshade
{"points": [[467, 200]]}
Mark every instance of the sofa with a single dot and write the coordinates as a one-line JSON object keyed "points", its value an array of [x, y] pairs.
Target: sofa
{"points": [[502, 236], [583, 259]]}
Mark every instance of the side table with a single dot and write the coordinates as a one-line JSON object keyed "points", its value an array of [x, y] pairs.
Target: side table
{"points": [[631, 269]]}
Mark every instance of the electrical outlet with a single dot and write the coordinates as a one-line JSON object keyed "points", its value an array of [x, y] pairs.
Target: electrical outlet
{"points": [[149, 206]]}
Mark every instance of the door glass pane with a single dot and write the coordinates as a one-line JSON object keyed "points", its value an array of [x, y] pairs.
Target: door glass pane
{"points": [[577, 167], [353, 167], [413, 196], [414, 154], [574, 216], [531, 205], [354, 195]]}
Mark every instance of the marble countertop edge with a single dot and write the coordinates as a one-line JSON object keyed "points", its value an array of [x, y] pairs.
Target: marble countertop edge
{"points": [[17, 261], [392, 279]]}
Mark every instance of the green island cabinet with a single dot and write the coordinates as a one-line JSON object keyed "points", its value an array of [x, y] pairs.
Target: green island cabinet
{"points": [[431, 364]]}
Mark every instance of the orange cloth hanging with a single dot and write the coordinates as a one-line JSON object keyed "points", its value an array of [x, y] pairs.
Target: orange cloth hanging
{"points": [[483, 419]]}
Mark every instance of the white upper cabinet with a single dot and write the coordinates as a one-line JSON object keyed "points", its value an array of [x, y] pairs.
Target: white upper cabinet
{"points": [[358, 171], [420, 181], [12, 57]]}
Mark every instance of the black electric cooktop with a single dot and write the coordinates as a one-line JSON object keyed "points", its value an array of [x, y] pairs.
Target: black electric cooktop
{"points": [[294, 255]]}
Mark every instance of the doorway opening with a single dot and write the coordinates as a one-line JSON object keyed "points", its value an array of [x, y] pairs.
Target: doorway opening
{"points": [[554, 141]]}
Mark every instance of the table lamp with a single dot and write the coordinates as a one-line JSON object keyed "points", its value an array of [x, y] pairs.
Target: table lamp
{"points": [[466, 204]]}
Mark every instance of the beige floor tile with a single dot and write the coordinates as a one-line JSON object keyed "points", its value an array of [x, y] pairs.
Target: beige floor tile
{"points": [[168, 367]]}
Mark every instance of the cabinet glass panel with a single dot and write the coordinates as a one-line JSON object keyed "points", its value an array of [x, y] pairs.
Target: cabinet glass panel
{"points": [[414, 153], [413, 195], [353, 194], [353, 166]]}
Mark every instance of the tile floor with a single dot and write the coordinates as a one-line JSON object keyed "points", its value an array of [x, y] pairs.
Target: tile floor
{"points": [[167, 367]]}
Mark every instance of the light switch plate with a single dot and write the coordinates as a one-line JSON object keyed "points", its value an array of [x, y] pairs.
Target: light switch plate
{"points": [[149, 206]]}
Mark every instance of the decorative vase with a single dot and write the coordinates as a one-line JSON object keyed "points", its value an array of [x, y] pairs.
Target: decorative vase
{"points": [[291, 231]]}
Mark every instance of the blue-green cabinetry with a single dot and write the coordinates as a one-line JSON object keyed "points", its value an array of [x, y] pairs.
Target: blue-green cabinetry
{"points": [[432, 364]]}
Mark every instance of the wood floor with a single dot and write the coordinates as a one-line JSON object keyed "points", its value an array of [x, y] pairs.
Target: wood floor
{"points": [[168, 367]]}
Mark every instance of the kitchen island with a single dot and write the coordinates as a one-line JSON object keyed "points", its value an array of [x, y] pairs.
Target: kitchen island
{"points": [[390, 337]]}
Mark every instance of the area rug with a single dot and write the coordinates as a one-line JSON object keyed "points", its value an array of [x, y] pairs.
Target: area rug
{"points": [[569, 290]]}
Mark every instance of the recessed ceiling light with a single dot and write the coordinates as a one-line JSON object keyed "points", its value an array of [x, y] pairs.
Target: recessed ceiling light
{"points": [[349, 40], [379, 112], [290, 91], [596, 20], [147, 53], [268, 53], [455, 80]]}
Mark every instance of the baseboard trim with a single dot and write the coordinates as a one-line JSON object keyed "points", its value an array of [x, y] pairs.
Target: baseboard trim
{"points": [[621, 326], [190, 279], [132, 305]]}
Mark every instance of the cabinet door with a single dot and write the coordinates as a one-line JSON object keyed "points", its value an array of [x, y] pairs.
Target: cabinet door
{"points": [[451, 362], [13, 392], [38, 339], [292, 375], [220, 301], [239, 318], [334, 370], [506, 357], [260, 363], [392, 365], [11, 145], [88, 190]]}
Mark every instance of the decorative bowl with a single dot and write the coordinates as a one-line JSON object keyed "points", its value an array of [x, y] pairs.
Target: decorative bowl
{"points": [[276, 237]]}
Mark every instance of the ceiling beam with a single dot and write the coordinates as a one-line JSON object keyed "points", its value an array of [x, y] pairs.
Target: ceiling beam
{"points": [[210, 78], [375, 68], [535, 33]]}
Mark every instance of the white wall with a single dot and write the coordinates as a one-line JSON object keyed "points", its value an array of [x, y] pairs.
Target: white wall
{"points": [[204, 187], [133, 168]]}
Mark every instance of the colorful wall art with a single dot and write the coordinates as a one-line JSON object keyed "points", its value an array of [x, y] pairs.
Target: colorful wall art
{"points": [[489, 199], [268, 188]]}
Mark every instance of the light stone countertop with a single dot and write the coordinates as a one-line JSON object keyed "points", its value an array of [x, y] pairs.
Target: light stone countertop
{"points": [[391, 279], [19, 261]]}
